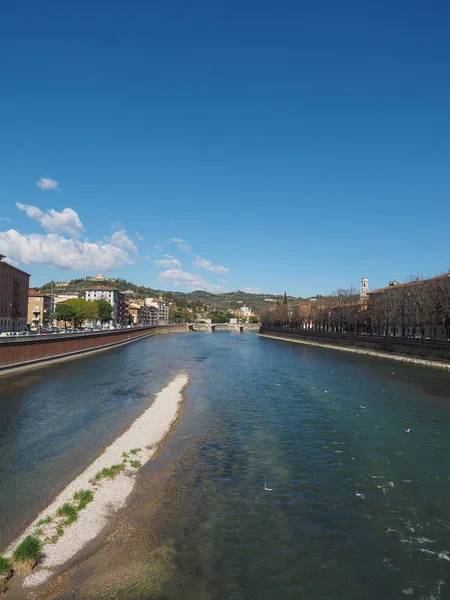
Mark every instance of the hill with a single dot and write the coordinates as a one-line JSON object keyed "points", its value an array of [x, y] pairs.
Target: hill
{"points": [[193, 299]]}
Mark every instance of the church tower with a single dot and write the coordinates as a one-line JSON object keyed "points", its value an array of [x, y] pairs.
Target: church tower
{"points": [[364, 289]]}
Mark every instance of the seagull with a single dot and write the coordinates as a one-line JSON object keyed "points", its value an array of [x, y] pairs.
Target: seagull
{"points": [[362, 406], [359, 495], [266, 488], [407, 430]]}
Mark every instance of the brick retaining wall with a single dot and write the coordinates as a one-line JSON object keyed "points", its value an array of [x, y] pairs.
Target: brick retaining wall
{"points": [[22, 350]]}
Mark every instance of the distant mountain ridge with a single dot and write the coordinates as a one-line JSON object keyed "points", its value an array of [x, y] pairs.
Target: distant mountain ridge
{"points": [[222, 301]]}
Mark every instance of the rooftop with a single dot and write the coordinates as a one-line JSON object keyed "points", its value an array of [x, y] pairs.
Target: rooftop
{"points": [[37, 294], [396, 286]]}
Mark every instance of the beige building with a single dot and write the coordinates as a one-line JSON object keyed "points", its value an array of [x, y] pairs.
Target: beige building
{"points": [[14, 285], [39, 310], [162, 307]]}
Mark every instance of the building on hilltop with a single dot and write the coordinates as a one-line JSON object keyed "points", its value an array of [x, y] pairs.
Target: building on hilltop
{"points": [[98, 277], [39, 310], [14, 285]]}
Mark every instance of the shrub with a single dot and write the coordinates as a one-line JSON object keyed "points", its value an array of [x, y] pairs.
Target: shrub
{"points": [[38, 531], [135, 451], [59, 531], [110, 472], [29, 549], [83, 497], [69, 511], [135, 464], [5, 565], [124, 454], [48, 519]]}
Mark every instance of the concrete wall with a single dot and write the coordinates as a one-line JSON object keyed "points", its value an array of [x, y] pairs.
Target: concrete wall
{"points": [[19, 350], [431, 349]]}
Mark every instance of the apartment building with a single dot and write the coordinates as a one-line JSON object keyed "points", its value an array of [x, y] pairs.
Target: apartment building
{"points": [[14, 285], [118, 301], [162, 308], [39, 310]]}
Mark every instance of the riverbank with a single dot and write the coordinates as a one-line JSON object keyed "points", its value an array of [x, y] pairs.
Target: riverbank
{"points": [[401, 357], [24, 353], [110, 479]]}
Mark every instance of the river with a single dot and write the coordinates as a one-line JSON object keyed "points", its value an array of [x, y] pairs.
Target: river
{"points": [[354, 449]]}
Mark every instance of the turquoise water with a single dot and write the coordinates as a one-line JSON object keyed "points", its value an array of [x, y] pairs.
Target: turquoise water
{"points": [[359, 507]]}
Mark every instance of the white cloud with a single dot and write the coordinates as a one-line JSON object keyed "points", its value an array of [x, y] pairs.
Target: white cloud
{"points": [[253, 290], [57, 251], [181, 278], [158, 247], [5, 219], [139, 237], [121, 240], [168, 262], [181, 244], [66, 221], [47, 183], [203, 263]]}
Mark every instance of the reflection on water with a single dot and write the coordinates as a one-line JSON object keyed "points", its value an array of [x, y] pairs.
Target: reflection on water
{"points": [[354, 448]]}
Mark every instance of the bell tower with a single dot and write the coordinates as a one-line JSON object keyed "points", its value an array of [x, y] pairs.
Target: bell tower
{"points": [[364, 289]]}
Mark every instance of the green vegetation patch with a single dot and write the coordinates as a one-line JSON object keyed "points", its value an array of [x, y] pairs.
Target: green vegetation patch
{"points": [[135, 451], [48, 519], [38, 532], [69, 511], [5, 565], [135, 464], [83, 497], [109, 472], [29, 549]]}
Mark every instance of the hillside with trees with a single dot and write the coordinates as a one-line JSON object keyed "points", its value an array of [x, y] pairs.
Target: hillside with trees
{"points": [[198, 298]]}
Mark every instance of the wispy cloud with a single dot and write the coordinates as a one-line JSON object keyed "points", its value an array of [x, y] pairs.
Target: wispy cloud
{"points": [[47, 183], [181, 278], [159, 247], [181, 244], [7, 219], [168, 262], [139, 237], [66, 221], [207, 265], [253, 290]]}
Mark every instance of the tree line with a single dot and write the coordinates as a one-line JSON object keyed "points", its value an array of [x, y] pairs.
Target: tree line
{"points": [[78, 310], [417, 308]]}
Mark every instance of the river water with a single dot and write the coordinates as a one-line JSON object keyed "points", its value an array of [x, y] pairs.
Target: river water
{"points": [[354, 448]]}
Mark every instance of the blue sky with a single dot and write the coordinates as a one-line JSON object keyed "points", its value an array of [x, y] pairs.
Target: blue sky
{"points": [[290, 146]]}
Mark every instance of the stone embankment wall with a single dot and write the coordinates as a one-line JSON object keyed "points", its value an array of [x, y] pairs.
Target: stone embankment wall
{"points": [[425, 349], [26, 351]]}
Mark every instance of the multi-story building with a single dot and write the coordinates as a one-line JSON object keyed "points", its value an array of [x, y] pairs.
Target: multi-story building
{"points": [[118, 301], [14, 285], [144, 314], [104, 292], [419, 308], [123, 310], [39, 310], [162, 307]]}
